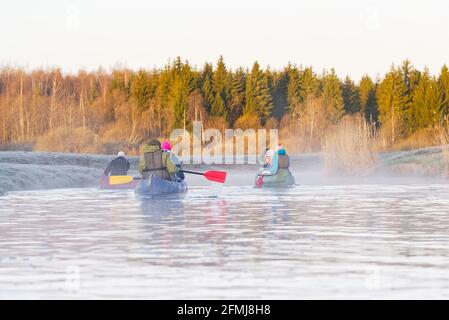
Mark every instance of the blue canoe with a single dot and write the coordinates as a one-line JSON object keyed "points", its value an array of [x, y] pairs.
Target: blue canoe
{"points": [[157, 186]]}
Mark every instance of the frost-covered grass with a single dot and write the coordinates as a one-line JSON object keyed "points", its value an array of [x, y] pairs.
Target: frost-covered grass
{"points": [[430, 161], [21, 170]]}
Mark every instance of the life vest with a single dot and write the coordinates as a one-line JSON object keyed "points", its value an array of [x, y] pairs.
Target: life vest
{"points": [[283, 161], [154, 164]]}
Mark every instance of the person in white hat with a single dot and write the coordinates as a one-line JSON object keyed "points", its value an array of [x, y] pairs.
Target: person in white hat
{"points": [[270, 167], [119, 166]]}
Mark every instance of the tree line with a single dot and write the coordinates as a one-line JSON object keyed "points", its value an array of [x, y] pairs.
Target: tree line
{"points": [[130, 106]]}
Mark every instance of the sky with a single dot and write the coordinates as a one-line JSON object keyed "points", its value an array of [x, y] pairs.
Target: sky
{"points": [[355, 37]]}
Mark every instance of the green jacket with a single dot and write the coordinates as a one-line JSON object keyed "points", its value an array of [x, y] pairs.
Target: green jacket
{"points": [[166, 161]]}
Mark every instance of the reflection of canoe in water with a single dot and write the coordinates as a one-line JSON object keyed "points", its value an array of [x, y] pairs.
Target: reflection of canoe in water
{"points": [[158, 186], [284, 178], [105, 183]]}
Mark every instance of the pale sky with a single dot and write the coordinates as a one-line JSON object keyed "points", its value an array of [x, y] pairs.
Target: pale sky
{"points": [[354, 37]]}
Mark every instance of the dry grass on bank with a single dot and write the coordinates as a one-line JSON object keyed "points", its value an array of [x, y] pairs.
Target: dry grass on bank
{"points": [[83, 140], [350, 147], [79, 140], [422, 138]]}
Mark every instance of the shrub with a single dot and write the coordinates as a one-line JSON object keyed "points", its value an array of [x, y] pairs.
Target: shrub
{"points": [[79, 140], [247, 121], [272, 123], [216, 123]]}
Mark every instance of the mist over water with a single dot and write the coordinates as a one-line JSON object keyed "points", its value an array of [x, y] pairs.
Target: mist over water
{"points": [[375, 236]]}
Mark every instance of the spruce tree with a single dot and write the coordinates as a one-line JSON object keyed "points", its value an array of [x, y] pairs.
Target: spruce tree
{"points": [[427, 101], [221, 90], [279, 92], [294, 91], [434, 102], [141, 90], [166, 79], [332, 95], [237, 96], [368, 103], [392, 103], [351, 96], [410, 78], [258, 98], [309, 84], [443, 84], [181, 89], [206, 86]]}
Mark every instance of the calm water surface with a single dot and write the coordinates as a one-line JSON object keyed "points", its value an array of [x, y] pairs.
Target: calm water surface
{"points": [[311, 241]]}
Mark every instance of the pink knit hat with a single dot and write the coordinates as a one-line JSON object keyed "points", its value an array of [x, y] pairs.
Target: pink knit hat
{"points": [[166, 145]]}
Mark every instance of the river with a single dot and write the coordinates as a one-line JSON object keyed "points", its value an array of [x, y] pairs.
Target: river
{"points": [[372, 237]]}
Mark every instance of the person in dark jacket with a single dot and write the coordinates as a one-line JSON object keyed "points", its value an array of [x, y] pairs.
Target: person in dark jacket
{"points": [[119, 166]]}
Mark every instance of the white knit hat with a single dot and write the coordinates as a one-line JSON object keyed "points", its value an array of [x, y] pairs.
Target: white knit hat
{"points": [[269, 153], [121, 154]]}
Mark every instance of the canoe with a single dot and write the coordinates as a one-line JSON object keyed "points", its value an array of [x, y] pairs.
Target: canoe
{"points": [[284, 178], [105, 184], [156, 186]]}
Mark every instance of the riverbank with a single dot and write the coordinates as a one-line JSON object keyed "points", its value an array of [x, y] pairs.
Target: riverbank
{"points": [[428, 162], [21, 170]]}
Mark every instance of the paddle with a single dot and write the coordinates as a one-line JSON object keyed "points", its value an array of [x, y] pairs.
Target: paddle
{"points": [[216, 176], [259, 182], [113, 180]]}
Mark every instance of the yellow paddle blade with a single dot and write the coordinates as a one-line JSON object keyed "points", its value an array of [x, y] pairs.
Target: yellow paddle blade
{"points": [[120, 179]]}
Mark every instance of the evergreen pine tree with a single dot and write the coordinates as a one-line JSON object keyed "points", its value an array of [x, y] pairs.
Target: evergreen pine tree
{"points": [[181, 89], [309, 84], [141, 90], [392, 103], [351, 96], [426, 104], [410, 78], [332, 95], [434, 102], [443, 83], [258, 98], [368, 103], [279, 92], [206, 86], [294, 91], [237, 96], [221, 90]]}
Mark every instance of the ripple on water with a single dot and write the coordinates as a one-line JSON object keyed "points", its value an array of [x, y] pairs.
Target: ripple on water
{"points": [[313, 241]]}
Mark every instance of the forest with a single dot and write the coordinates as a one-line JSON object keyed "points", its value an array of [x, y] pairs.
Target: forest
{"points": [[103, 111]]}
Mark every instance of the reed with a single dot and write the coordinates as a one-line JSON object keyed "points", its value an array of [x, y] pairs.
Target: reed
{"points": [[350, 147]]}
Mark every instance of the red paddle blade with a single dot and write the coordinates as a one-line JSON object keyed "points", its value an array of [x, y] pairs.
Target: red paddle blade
{"points": [[259, 182], [216, 176]]}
